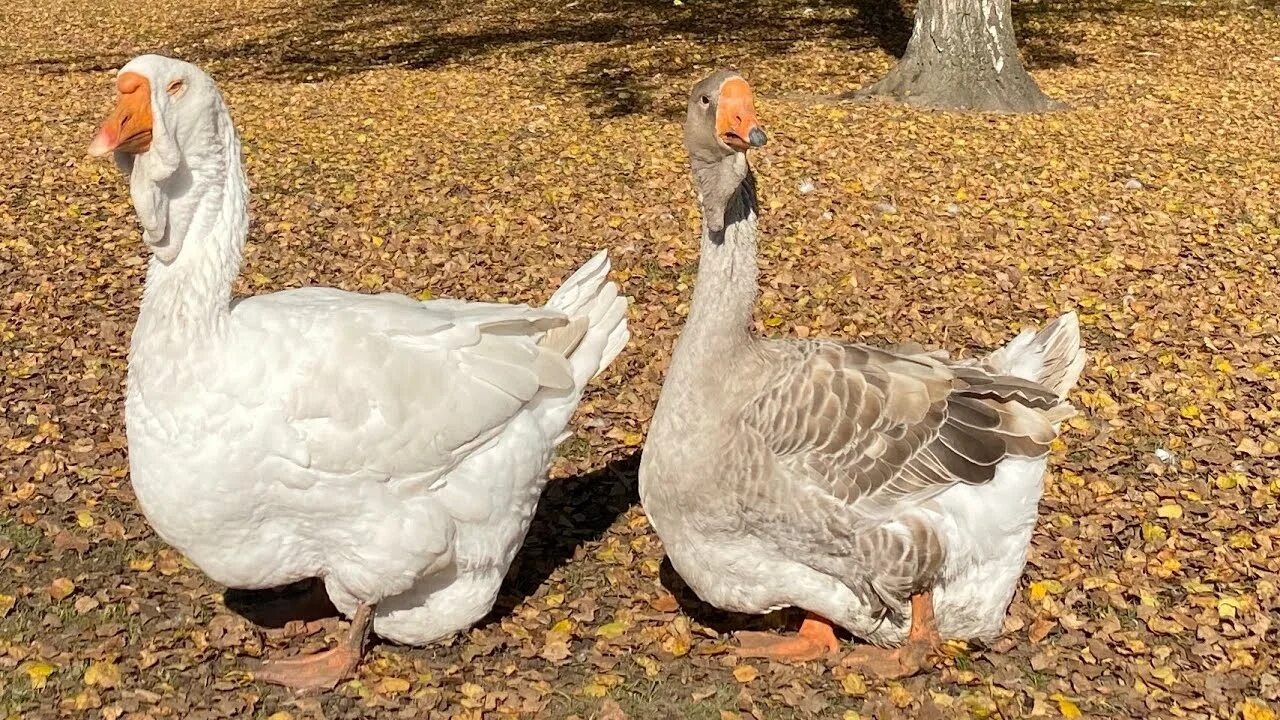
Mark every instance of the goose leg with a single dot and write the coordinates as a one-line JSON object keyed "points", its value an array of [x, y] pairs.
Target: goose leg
{"points": [[322, 670], [922, 641], [816, 639]]}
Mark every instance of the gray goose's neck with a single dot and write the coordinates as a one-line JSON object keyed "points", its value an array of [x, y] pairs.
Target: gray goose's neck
{"points": [[724, 296], [188, 299]]}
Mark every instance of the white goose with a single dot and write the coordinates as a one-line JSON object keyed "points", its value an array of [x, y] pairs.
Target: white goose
{"points": [[873, 488], [393, 448]]}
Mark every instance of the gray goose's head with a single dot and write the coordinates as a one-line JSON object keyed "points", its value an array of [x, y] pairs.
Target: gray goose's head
{"points": [[719, 127]]}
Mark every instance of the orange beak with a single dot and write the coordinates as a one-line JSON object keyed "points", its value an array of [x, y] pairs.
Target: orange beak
{"points": [[736, 123], [128, 127]]}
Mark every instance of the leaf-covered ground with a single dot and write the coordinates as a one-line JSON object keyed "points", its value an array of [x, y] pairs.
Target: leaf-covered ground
{"points": [[482, 149]]}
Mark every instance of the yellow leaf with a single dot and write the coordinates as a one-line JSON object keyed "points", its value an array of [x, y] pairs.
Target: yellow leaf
{"points": [[555, 600], [850, 715], [632, 439], [1068, 708], [899, 695], [472, 691], [103, 674], [1256, 710], [1079, 422], [612, 630], [141, 565], [677, 645], [594, 690], [1227, 607], [84, 519], [1153, 533], [1228, 481], [392, 685], [607, 680], [1172, 512], [38, 673], [651, 667], [85, 700], [854, 685], [280, 715], [1240, 541], [1038, 590], [60, 588], [1165, 675], [6, 604], [1190, 412], [745, 673], [564, 627]]}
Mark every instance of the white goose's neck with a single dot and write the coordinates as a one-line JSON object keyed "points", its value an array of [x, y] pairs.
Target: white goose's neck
{"points": [[189, 298], [724, 296]]}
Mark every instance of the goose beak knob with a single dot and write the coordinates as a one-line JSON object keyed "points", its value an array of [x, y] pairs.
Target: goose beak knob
{"points": [[128, 127], [736, 122]]}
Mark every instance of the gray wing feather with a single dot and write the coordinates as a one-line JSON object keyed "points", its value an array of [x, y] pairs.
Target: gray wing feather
{"points": [[858, 438]]}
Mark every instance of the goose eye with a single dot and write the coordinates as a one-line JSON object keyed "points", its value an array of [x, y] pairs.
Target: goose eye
{"points": [[176, 87], [706, 101]]}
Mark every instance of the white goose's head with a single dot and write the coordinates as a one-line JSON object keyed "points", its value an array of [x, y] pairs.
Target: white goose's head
{"points": [[719, 128], [168, 133]]}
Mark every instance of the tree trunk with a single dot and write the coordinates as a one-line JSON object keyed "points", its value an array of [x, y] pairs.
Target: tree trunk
{"points": [[962, 56]]}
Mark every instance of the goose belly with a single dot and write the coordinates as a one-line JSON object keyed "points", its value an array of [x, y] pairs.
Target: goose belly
{"points": [[208, 503], [741, 573]]}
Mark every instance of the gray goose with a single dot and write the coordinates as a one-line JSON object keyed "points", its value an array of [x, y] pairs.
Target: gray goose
{"points": [[890, 492]]}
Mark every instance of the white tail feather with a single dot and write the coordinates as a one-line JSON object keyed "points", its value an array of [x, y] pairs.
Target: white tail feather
{"points": [[1052, 357], [597, 329]]}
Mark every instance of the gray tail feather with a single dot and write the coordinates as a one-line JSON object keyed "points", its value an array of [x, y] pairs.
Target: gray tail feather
{"points": [[1053, 357]]}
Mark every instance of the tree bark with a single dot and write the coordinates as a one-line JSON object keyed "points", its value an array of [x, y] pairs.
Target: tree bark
{"points": [[963, 56]]}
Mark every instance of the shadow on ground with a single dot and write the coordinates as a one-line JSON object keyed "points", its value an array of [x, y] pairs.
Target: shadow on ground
{"points": [[325, 39], [573, 512]]}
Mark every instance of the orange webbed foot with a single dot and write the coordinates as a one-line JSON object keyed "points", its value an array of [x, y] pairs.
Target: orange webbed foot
{"points": [[816, 640], [323, 670]]}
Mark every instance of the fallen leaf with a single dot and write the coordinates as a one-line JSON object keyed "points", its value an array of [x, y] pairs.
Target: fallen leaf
{"points": [[1067, 707], [391, 685], [37, 673], [1256, 710], [102, 674], [61, 588]]}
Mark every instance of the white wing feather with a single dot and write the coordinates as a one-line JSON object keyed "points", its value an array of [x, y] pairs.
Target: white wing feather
{"points": [[385, 387]]}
